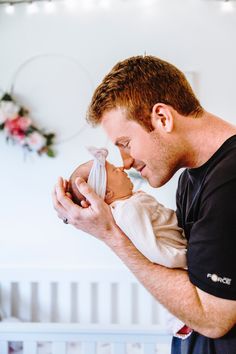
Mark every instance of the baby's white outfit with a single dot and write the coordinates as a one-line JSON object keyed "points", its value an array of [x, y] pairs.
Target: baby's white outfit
{"points": [[152, 228]]}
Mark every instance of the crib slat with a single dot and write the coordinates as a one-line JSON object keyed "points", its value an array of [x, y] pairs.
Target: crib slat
{"points": [[3, 347], [114, 303], [104, 303], [58, 348], [162, 315], [145, 311], [30, 347], [64, 302], [44, 302], [124, 301], [74, 303], [155, 311], [84, 302], [134, 303], [24, 301], [6, 298]]}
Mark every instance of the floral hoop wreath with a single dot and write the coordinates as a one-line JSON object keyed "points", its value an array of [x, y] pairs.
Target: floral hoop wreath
{"points": [[17, 125], [20, 129]]}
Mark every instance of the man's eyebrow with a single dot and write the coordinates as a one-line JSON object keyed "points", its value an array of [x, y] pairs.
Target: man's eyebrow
{"points": [[120, 140]]}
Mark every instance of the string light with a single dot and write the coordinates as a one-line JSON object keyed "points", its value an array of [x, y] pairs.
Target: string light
{"points": [[227, 6], [50, 7], [32, 8], [71, 5], [105, 4], [87, 4], [10, 9], [18, 2]]}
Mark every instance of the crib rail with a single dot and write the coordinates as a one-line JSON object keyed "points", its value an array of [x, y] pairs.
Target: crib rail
{"points": [[92, 340], [87, 296], [80, 311]]}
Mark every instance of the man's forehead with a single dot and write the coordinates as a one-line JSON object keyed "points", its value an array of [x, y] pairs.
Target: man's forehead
{"points": [[116, 125]]}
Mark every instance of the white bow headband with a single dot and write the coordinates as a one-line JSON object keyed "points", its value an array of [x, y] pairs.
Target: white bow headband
{"points": [[97, 178]]}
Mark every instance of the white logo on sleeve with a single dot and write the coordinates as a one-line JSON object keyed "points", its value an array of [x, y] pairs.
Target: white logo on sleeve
{"points": [[215, 278]]}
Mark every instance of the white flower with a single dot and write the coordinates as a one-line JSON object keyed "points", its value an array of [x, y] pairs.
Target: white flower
{"points": [[8, 110], [36, 141]]}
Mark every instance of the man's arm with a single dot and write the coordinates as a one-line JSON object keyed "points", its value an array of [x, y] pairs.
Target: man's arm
{"points": [[205, 313]]}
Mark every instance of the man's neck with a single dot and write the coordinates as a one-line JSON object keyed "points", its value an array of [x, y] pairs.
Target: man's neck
{"points": [[204, 137]]}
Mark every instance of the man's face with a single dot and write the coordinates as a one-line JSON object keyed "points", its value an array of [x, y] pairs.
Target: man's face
{"points": [[150, 153]]}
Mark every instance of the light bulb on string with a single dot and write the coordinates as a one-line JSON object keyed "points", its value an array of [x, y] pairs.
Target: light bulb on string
{"points": [[32, 8], [105, 4], [49, 7], [87, 5], [147, 3], [10, 9], [227, 6], [71, 5]]}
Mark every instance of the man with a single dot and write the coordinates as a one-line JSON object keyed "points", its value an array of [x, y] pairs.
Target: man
{"points": [[149, 110]]}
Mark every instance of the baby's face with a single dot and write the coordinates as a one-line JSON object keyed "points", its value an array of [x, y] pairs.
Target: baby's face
{"points": [[118, 181]]}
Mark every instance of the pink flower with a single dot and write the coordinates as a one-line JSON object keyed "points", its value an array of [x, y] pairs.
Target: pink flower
{"points": [[13, 127], [24, 123], [36, 141]]}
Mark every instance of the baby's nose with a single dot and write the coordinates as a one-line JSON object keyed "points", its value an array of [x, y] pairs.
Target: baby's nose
{"points": [[128, 160]]}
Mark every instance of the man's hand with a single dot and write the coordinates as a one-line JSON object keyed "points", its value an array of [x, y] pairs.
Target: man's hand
{"points": [[93, 217]]}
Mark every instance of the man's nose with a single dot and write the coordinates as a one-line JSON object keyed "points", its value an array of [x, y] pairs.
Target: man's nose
{"points": [[127, 159]]}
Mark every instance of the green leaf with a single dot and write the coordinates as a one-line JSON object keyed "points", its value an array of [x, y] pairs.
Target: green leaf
{"points": [[22, 112], [51, 153], [6, 97], [49, 137], [2, 126]]}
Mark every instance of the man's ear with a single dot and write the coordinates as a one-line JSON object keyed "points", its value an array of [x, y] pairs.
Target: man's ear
{"points": [[162, 117], [109, 194]]}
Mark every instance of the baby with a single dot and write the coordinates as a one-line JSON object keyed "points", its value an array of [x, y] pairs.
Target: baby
{"points": [[150, 226]]}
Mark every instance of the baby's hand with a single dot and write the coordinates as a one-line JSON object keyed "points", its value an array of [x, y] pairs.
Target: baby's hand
{"points": [[83, 203]]}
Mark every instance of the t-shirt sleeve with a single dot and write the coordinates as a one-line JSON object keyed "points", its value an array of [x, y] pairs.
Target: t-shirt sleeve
{"points": [[135, 218], [212, 243]]}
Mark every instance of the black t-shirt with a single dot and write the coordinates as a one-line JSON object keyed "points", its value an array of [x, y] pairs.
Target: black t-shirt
{"points": [[206, 210]]}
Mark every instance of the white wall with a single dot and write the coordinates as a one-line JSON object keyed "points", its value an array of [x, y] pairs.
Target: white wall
{"points": [[192, 34]]}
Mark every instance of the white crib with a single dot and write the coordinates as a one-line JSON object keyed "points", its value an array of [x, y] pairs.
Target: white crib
{"points": [[79, 311]]}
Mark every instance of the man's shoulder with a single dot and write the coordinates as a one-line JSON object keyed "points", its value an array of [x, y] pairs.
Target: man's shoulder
{"points": [[220, 167], [222, 170]]}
